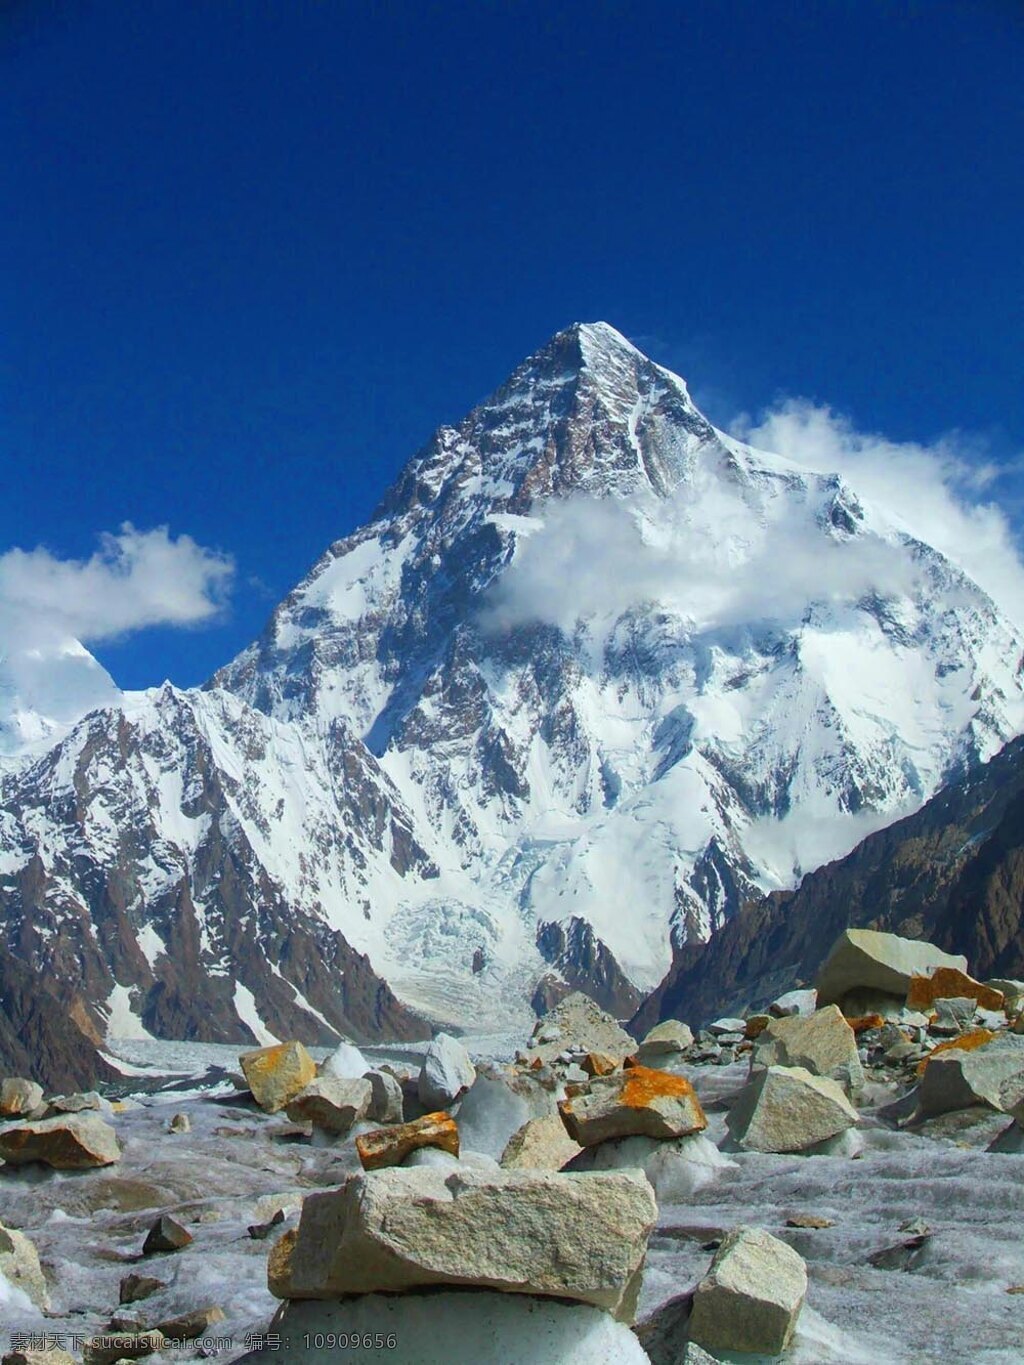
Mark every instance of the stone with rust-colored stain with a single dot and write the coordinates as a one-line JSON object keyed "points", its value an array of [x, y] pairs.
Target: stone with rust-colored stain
{"points": [[809, 1220], [861, 1023], [76, 1142], [599, 1064], [947, 983], [166, 1234], [277, 1074], [640, 1102], [967, 1042], [390, 1146], [756, 1025]]}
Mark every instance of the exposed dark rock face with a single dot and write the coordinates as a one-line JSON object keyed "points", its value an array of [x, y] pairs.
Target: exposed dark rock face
{"points": [[585, 964], [38, 1037], [952, 873]]}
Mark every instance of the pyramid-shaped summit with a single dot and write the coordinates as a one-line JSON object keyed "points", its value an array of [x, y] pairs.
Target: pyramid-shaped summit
{"points": [[592, 675]]}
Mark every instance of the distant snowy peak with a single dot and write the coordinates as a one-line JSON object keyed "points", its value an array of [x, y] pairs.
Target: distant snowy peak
{"points": [[45, 689]]}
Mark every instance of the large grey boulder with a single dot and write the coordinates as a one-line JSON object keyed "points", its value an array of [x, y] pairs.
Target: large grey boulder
{"points": [[447, 1072], [865, 960], [960, 1078], [579, 1237], [786, 1109], [73, 1143], [750, 1299], [19, 1266], [822, 1043], [331, 1103], [457, 1327], [638, 1102], [19, 1096], [578, 1021]]}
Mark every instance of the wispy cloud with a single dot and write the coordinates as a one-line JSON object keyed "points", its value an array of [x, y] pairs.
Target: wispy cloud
{"points": [[942, 492], [133, 580]]}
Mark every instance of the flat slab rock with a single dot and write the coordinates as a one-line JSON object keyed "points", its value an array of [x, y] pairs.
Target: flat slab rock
{"points": [[640, 1102], [455, 1327], [77, 1142], [581, 1237]]}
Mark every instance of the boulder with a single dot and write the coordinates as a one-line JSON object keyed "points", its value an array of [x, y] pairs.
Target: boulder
{"points": [[750, 1299], [179, 1123], [756, 1025], [346, 1063], [540, 1145], [822, 1043], [958, 1078], [48, 1355], [188, 1326], [665, 1040], [75, 1143], [277, 1074], [637, 1102], [794, 1002], [490, 1112], [331, 1103], [19, 1096], [135, 1287], [865, 960], [386, 1098], [952, 1016], [465, 1327], [166, 1234], [580, 1021], [727, 1026], [447, 1072], [79, 1102], [19, 1266], [786, 1109], [390, 1146], [949, 983], [580, 1237], [598, 1063]]}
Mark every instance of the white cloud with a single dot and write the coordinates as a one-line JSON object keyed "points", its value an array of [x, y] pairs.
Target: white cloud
{"points": [[135, 579], [937, 491]]}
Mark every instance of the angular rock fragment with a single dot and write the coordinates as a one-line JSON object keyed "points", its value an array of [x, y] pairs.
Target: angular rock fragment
{"points": [[386, 1098], [180, 1123], [346, 1063], [958, 1078], [277, 1074], [188, 1326], [331, 1103], [822, 1043], [447, 1072], [793, 1003], [166, 1234], [864, 960], [949, 983], [134, 1288], [19, 1096], [541, 1144], [390, 1146], [751, 1297], [786, 1109], [580, 1020], [579, 1237], [598, 1063], [19, 1266], [75, 1143], [666, 1039], [637, 1102]]}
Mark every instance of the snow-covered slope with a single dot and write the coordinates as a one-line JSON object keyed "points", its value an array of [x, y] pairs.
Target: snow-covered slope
{"points": [[592, 674]]}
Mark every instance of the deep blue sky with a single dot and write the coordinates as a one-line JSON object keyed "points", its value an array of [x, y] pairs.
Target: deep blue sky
{"points": [[254, 253]]}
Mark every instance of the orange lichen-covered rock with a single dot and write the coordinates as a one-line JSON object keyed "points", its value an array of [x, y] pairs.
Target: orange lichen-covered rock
{"points": [[638, 1102], [947, 983], [756, 1025], [967, 1042], [277, 1074], [861, 1023], [390, 1146]]}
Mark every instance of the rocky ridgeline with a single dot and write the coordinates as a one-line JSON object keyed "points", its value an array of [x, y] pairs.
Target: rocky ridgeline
{"points": [[505, 1210]]}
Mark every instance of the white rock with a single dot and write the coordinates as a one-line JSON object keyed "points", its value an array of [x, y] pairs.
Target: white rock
{"points": [[346, 1062], [489, 1114], [19, 1266], [676, 1167], [460, 1328], [447, 1072], [751, 1297], [665, 1039], [794, 1002], [727, 1025]]}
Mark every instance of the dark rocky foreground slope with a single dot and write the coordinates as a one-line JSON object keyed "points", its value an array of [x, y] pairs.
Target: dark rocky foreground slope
{"points": [[952, 873]]}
